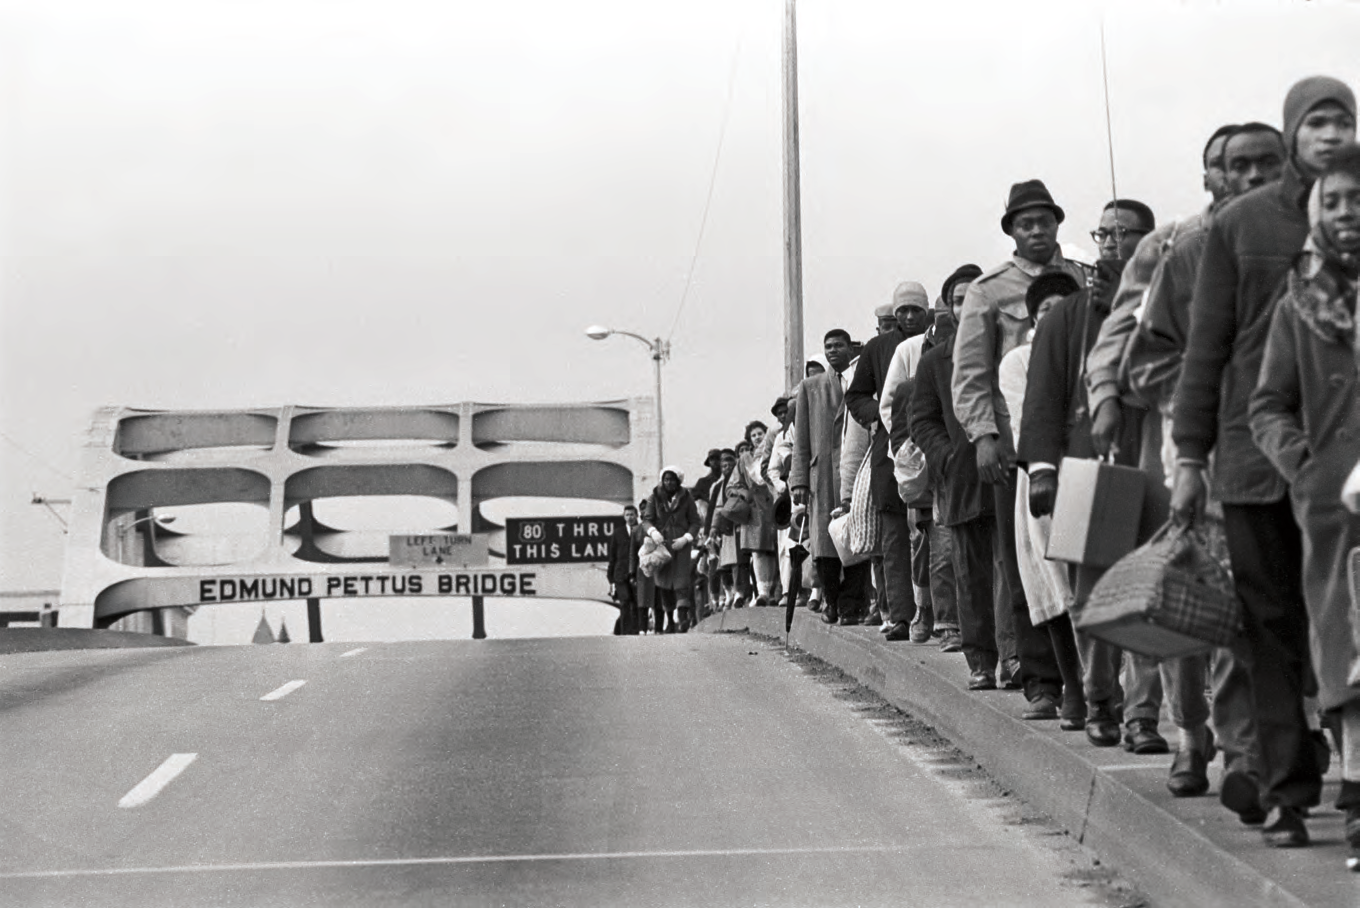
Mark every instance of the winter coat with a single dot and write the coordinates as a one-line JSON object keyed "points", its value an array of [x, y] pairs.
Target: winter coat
{"points": [[1047, 590], [862, 399], [1250, 245], [759, 535], [817, 430], [960, 494], [1305, 416], [673, 518], [993, 322], [1057, 422], [1153, 363]]}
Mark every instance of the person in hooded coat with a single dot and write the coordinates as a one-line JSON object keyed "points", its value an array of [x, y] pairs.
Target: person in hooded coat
{"points": [[1249, 249], [672, 519], [1305, 417]]}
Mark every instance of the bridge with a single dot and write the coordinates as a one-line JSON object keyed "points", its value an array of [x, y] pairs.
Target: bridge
{"points": [[274, 465]]}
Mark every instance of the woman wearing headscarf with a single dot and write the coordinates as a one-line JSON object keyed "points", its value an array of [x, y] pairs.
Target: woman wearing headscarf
{"points": [[1305, 417], [672, 520]]}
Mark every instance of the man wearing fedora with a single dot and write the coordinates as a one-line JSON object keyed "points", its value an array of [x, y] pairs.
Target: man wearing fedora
{"points": [[993, 322]]}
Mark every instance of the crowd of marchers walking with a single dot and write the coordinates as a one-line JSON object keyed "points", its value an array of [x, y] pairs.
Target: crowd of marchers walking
{"points": [[1218, 354]]}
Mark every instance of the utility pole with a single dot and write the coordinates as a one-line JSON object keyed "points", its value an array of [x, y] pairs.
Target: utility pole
{"points": [[793, 229]]}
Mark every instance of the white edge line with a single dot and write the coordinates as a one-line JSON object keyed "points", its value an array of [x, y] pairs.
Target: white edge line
{"points": [[283, 691], [1130, 767], [354, 652], [468, 859], [160, 777]]}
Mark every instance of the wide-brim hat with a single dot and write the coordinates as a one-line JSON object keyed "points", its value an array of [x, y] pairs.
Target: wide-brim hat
{"points": [[1029, 194], [714, 455], [783, 511]]}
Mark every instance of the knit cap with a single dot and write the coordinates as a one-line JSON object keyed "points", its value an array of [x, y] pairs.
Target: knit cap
{"points": [[910, 293], [1307, 94]]}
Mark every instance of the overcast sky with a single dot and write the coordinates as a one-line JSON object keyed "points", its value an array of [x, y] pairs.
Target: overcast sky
{"points": [[229, 204]]}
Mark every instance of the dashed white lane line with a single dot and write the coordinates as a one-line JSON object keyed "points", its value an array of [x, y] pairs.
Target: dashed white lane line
{"points": [[354, 652], [283, 691], [160, 777], [454, 859]]}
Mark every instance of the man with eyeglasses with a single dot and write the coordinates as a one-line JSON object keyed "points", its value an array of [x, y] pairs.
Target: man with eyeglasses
{"points": [[1057, 424], [993, 322]]}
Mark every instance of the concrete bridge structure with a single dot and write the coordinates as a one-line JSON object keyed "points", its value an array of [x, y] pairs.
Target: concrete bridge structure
{"points": [[121, 559]]}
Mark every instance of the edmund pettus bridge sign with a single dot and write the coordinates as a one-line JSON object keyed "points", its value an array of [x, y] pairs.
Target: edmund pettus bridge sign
{"points": [[123, 558]]}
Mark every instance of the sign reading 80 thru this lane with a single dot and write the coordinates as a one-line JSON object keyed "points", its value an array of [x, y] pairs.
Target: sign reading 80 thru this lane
{"points": [[559, 540]]}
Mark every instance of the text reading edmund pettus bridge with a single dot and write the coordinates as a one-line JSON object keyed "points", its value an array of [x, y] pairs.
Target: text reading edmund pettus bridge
{"points": [[444, 583]]}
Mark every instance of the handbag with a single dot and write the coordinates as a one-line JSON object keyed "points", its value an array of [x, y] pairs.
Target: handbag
{"points": [[911, 472], [839, 531], [1168, 598], [866, 523], [736, 508], [653, 557]]}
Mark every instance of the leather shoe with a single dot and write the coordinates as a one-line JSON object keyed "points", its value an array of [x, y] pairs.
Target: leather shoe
{"points": [[1102, 728], [1010, 675], [899, 631], [830, 617], [1189, 776], [1041, 707], [1240, 794], [1141, 737], [982, 681], [951, 642], [1072, 723], [1284, 828], [849, 620], [874, 620], [923, 625]]}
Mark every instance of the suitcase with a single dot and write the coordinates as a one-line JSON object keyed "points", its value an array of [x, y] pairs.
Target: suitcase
{"points": [[1098, 512]]}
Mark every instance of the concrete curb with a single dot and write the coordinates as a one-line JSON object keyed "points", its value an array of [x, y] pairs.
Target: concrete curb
{"points": [[1179, 851]]}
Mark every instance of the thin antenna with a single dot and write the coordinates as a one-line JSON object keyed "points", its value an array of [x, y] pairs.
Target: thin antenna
{"points": [[1109, 130]]}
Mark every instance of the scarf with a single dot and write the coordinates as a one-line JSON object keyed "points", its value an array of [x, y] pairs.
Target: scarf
{"points": [[1323, 282]]}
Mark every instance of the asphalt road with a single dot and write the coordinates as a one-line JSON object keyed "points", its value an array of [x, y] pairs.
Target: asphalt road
{"points": [[681, 770]]}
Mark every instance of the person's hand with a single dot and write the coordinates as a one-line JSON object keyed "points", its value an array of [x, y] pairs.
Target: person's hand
{"points": [[1105, 427], [1043, 491], [800, 495], [678, 544], [1188, 494], [991, 460], [842, 508]]}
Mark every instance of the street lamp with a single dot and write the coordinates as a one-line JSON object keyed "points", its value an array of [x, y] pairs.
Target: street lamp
{"points": [[127, 529], [661, 351]]}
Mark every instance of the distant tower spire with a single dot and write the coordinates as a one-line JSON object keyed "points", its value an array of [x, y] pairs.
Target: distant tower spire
{"points": [[263, 633]]}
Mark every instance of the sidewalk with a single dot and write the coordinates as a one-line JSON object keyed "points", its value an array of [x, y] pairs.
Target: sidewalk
{"points": [[1180, 851]]}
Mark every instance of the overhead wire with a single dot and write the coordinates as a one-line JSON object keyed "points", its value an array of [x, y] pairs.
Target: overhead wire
{"points": [[38, 458], [712, 182]]}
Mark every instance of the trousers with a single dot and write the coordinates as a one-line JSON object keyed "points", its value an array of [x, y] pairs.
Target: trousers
{"points": [[897, 573], [1266, 550]]}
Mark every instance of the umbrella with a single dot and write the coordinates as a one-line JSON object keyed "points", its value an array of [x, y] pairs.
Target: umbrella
{"points": [[798, 538]]}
